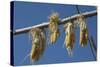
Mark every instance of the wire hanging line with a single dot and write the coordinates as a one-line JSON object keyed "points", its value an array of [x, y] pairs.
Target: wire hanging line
{"points": [[92, 40], [63, 21], [92, 47], [78, 9]]}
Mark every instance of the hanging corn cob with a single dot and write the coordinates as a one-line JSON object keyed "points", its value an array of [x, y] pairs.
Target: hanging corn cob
{"points": [[70, 37], [53, 27], [38, 44], [83, 31]]}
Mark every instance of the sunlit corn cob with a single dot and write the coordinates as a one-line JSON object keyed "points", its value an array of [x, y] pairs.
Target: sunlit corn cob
{"points": [[53, 27], [38, 44], [83, 31], [70, 37]]}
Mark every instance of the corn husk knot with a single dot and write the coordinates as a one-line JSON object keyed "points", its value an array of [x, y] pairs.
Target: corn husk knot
{"points": [[83, 31], [38, 44], [53, 27], [70, 37]]}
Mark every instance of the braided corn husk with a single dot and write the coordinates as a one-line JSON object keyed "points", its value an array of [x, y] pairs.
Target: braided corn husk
{"points": [[38, 44], [53, 27], [70, 38]]}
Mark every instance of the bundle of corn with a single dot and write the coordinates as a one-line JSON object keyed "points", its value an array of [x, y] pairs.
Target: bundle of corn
{"points": [[83, 31], [53, 27], [70, 37], [38, 44]]}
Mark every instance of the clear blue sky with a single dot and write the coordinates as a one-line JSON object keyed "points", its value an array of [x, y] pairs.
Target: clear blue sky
{"points": [[28, 14]]}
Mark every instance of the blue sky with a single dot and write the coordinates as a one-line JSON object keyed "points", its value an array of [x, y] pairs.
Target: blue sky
{"points": [[29, 13]]}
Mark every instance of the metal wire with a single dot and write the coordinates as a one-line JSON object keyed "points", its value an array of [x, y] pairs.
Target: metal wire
{"points": [[63, 21], [91, 47]]}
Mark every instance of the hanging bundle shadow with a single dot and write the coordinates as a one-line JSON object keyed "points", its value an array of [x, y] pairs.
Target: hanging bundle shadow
{"points": [[38, 44], [70, 37], [53, 27]]}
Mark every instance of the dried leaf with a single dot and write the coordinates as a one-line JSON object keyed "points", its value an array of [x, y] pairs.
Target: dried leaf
{"points": [[70, 37], [83, 31], [38, 44], [53, 27]]}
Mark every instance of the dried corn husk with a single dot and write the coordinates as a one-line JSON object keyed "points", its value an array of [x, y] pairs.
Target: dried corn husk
{"points": [[53, 27], [38, 44], [84, 37], [83, 31], [70, 37]]}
